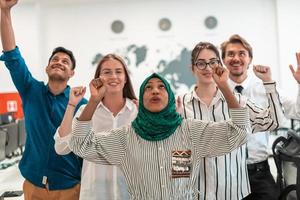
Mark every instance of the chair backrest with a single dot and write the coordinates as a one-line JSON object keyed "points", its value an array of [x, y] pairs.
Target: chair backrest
{"points": [[291, 147], [2, 144], [21, 133], [287, 150], [11, 138]]}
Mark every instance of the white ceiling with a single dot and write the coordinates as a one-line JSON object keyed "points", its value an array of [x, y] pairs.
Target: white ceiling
{"points": [[73, 1]]}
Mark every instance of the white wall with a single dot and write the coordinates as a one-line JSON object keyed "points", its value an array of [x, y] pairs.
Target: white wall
{"points": [[84, 27], [25, 21], [288, 42]]}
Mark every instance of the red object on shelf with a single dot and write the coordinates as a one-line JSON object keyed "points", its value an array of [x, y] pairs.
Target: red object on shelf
{"points": [[11, 102]]}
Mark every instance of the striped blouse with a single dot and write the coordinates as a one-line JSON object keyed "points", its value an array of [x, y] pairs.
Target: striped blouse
{"points": [[226, 177], [154, 169]]}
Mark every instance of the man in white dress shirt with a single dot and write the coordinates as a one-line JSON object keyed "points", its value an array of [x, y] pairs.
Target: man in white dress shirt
{"points": [[237, 55]]}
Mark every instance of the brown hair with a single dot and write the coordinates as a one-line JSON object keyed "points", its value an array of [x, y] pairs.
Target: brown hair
{"points": [[203, 45], [236, 39], [128, 91]]}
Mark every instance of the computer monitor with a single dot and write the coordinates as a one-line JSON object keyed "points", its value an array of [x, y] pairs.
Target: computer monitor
{"points": [[6, 118], [11, 138]]}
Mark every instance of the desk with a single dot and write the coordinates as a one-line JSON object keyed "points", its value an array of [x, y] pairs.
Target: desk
{"points": [[11, 179]]}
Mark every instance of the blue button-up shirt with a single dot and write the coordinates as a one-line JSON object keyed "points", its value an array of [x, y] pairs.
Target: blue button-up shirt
{"points": [[43, 113]]}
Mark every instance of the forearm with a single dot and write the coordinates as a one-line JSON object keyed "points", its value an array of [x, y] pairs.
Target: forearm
{"points": [[89, 110], [61, 144], [219, 138], [7, 33], [275, 105], [230, 98], [66, 124], [95, 147], [266, 119], [83, 142]]}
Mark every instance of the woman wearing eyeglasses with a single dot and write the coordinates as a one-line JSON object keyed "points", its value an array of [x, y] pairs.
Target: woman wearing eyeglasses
{"points": [[223, 177], [116, 108]]}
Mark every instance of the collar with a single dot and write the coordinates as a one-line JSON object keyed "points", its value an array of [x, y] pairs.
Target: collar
{"points": [[128, 105], [249, 82], [66, 91], [245, 83], [193, 95]]}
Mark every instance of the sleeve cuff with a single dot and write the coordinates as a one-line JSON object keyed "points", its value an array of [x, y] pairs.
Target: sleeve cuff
{"points": [[270, 87], [60, 139], [11, 55], [240, 116]]}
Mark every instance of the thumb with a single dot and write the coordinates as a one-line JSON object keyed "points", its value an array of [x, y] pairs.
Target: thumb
{"points": [[254, 68]]}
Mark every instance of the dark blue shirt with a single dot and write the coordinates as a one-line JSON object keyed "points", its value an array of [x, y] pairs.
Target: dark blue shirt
{"points": [[43, 113]]}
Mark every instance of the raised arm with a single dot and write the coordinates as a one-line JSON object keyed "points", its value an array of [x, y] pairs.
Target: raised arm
{"points": [[269, 118], [97, 93], [7, 32], [12, 57], [212, 139], [220, 76], [292, 107], [76, 94], [107, 147], [296, 73], [63, 133]]}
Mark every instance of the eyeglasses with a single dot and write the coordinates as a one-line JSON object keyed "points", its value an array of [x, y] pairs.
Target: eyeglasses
{"points": [[202, 64]]}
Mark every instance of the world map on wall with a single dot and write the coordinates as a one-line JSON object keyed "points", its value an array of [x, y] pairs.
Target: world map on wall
{"points": [[176, 69]]}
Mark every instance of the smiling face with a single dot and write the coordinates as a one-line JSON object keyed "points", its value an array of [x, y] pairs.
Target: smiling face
{"points": [[237, 60], [113, 74], [60, 67], [155, 97], [209, 59]]}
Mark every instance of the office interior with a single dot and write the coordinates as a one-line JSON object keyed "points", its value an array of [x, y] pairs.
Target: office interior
{"points": [[152, 36]]}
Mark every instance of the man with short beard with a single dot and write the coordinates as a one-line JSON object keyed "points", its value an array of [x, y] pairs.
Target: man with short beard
{"points": [[47, 175], [237, 55]]}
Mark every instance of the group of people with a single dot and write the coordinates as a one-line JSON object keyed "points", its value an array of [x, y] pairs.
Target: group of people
{"points": [[211, 143]]}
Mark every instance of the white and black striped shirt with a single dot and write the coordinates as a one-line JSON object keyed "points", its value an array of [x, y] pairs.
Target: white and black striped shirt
{"points": [[256, 90], [147, 165], [226, 177]]}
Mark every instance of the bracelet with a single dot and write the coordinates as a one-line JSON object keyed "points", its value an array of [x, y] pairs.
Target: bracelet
{"points": [[72, 105]]}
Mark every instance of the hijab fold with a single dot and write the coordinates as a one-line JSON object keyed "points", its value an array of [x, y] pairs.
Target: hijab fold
{"points": [[159, 125]]}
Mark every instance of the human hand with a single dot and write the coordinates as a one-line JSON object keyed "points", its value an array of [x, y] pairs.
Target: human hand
{"points": [[76, 94], [296, 73], [263, 72], [220, 76], [7, 4], [97, 89]]}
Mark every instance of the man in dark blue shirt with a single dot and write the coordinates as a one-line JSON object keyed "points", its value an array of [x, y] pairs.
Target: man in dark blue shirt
{"points": [[47, 175]]}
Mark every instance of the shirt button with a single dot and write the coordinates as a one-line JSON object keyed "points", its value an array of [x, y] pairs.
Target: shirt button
{"points": [[159, 148], [161, 167], [162, 186]]}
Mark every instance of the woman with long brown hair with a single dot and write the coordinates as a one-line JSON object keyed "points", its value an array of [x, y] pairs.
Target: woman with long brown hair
{"points": [[117, 108]]}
